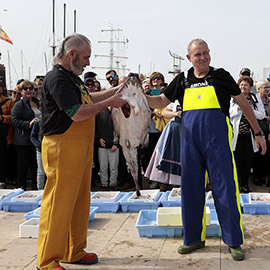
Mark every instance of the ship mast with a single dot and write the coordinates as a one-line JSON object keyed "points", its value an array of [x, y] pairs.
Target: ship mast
{"points": [[53, 45], [114, 59]]}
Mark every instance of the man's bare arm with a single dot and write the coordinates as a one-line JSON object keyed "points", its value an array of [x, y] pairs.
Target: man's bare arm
{"points": [[102, 95], [158, 102], [87, 111]]}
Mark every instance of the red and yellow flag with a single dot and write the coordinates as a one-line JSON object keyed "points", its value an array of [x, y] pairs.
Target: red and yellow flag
{"points": [[5, 37]]}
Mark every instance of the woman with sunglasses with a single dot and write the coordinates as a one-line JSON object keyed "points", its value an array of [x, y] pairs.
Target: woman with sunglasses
{"points": [[23, 118], [155, 129]]}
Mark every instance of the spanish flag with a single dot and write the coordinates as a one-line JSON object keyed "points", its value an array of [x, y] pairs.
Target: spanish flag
{"points": [[4, 36]]}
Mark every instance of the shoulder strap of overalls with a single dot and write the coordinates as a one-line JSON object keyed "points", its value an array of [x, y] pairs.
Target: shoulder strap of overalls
{"points": [[81, 87], [185, 82]]}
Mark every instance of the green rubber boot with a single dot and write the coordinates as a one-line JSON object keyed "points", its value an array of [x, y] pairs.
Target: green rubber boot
{"points": [[237, 253], [187, 249]]}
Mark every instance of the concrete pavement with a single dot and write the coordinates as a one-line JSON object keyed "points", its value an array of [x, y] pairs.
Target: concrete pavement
{"points": [[115, 239]]}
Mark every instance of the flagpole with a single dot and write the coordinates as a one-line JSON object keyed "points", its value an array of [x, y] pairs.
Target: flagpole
{"points": [[9, 70]]}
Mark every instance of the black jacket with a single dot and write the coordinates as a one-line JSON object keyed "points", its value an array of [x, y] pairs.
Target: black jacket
{"points": [[104, 128], [21, 116]]}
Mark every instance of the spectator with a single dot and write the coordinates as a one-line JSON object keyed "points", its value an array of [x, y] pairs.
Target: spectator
{"points": [[36, 139], [6, 134], [16, 94], [23, 118], [90, 74], [90, 85], [261, 162], [141, 77], [246, 72], [164, 166], [146, 85], [243, 142], [112, 77], [156, 126], [39, 81], [108, 151], [97, 86]]}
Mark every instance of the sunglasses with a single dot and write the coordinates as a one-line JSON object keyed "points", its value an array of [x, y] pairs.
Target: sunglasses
{"points": [[89, 85], [17, 93], [30, 88], [156, 78], [111, 77], [245, 74]]}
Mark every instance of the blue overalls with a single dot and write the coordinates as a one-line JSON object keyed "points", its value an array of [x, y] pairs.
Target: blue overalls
{"points": [[206, 146]]}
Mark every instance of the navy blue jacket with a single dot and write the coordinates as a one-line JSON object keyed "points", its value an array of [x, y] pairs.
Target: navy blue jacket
{"points": [[21, 116]]}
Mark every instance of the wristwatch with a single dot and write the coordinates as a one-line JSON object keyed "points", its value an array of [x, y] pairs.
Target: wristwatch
{"points": [[260, 133]]}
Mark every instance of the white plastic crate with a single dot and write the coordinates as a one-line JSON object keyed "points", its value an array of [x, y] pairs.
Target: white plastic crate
{"points": [[209, 196], [28, 196], [259, 198], [175, 194], [110, 196], [37, 212], [169, 216], [29, 229], [146, 195], [208, 216], [172, 216]]}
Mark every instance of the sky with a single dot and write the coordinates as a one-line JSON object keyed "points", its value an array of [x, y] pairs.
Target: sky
{"points": [[237, 33]]}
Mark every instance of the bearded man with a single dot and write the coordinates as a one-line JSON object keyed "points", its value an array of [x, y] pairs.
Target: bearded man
{"points": [[68, 112]]}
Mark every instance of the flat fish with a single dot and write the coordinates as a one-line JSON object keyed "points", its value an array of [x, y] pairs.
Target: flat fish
{"points": [[131, 123]]}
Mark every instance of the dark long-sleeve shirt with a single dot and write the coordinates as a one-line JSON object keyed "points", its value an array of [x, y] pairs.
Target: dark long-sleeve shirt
{"points": [[104, 127]]}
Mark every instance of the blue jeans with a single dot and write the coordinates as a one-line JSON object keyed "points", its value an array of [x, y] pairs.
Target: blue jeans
{"points": [[111, 160], [40, 172]]}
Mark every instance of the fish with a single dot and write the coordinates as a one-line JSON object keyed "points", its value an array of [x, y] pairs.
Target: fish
{"points": [[131, 123]]}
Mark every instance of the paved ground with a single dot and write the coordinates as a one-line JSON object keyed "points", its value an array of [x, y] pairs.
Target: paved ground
{"points": [[115, 239]]}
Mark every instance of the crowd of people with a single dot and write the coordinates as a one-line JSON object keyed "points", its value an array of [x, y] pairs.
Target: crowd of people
{"points": [[21, 137]]}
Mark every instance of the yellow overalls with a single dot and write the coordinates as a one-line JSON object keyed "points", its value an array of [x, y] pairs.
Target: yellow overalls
{"points": [[67, 160]]}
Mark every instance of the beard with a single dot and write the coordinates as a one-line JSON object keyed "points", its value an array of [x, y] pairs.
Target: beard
{"points": [[75, 66]]}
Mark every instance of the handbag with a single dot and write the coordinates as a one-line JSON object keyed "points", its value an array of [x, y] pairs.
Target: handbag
{"points": [[263, 123]]}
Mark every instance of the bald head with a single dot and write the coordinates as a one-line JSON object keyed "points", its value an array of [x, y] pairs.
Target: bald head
{"points": [[196, 41]]}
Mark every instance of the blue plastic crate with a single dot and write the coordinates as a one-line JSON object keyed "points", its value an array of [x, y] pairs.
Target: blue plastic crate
{"points": [[10, 206], [137, 205], [166, 203], [105, 206], [28, 196], [36, 213], [254, 208], [213, 229], [210, 202], [116, 196], [32, 214], [6, 194], [177, 203], [147, 226], [93, 210]]}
